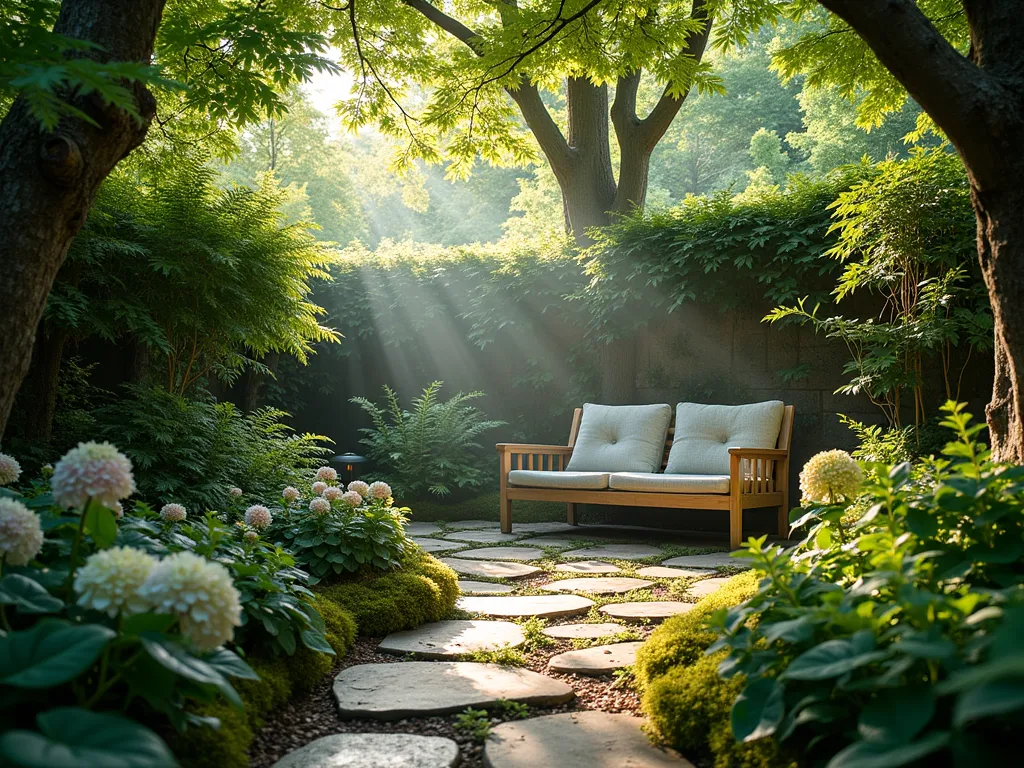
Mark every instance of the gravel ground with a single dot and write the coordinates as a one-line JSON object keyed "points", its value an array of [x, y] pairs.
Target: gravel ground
{"points": [[309, 717]]}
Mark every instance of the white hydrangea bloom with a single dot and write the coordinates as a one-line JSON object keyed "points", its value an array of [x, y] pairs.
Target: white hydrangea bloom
{"points": [[352, 498], [21, 538], [92, 470], [830, 476], [290, 494], [380, 490], [10, 469], [319, 506], [110, 581], [173, 513], [332, 493], [258, 516], [330, 474], [359, 487], [200, 594], [318, 487], [251, 536], [235, 492]]}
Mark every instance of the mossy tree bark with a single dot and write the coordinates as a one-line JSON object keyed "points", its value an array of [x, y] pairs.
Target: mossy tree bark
{"points": [[978, 102], [48, 181]]}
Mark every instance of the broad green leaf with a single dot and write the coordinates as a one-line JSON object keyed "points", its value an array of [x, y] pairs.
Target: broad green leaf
{"points": [[230, 664], [177, 659], [70, 737], [27, 595], [897, 716], [999, 697], [830, 659], [101, 525], [51, 653], [315, 641], [873, 754], [758, 710]]}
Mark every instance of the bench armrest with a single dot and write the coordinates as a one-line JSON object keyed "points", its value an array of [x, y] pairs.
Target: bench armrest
{"points": [[532, 448], [759, 453]]}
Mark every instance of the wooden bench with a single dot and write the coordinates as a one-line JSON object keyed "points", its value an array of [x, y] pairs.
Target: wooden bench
{"points": [[758, 478]]}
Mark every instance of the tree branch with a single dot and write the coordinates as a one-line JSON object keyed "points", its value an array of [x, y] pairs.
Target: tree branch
{"points": [[624, 105], [653, 127], [451, 25], [544, 128], [956, 93]]}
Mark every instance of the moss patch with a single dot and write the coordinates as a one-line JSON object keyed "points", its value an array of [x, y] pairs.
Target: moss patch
{"points": [[423, 590]]}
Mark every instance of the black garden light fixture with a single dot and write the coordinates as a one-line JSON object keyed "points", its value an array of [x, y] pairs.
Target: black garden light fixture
{"points": [[348, 463]]}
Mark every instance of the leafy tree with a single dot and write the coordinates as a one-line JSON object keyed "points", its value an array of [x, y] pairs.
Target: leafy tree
{"points": [[766, 152], [961, 60]]}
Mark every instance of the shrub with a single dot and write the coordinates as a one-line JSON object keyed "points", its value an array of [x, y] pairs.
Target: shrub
{"points": [[423, 590], [897, 639], [194, 451], [432, 448]]}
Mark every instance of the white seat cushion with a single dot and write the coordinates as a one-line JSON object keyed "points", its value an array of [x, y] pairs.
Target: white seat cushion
{"points": [[655, 482], [620, 438], [534, 478], [705, 433]]}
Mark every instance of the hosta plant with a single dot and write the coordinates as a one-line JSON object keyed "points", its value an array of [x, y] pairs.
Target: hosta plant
{"points": [[100, 642], [895, 640]]}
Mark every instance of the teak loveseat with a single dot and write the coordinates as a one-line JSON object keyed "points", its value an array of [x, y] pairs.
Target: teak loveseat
{"points": [[691, 457]]}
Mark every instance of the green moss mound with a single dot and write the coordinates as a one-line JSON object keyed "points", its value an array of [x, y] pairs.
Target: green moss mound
{"points": [[681, 640], [687, 704], [689, 707], [423, 590], [340, 625]]}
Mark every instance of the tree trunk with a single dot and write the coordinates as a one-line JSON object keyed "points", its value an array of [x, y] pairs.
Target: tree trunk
{"points": [[48, 181], [1001, 253], [41, 386], [255, 384]]}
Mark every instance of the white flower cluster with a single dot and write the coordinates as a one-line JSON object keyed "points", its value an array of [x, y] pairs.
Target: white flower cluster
{"points": [[358, 486], [10, 469], [332, 493], [352, 498], [21, 538], [830, 476], [199, 593], [110, 581], [173, 513], [291, 494], [92, 471], [258, 516], [330, 474], [380, 490], [251, 536], [318, 487], [319, 505], [235, 492]]}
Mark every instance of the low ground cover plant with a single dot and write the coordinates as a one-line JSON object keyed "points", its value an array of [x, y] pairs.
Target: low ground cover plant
{"points": [[893, 639]]}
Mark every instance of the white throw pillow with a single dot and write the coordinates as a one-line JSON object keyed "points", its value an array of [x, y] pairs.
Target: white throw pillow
{"points": [[621, 438], [705, 433]]}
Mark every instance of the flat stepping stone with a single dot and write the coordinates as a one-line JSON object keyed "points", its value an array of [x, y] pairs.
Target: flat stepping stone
{"points": [[597, 660], [484, 537], [706, 587], [593, 739], [374, 750], [661, 572], [448, 639], [422, 529], [583, 631], [436, 545], [587, 566], [655, 611], [712, 560], [465, 525], [601, 585], [541, 541], [503, 553], [617, 551], [548, 528], [468, 587], [526, 606], [426, 688], [489, 569]]}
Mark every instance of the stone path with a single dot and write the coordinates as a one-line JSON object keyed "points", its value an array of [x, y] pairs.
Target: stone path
{"points": [[374, 750], [450, 639], [583, 631], [602, 585], [468, 587], [577, 739], [493, 570], [526, 606], [425, 688], [434, 683], [596, 660], [654, 612]]}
